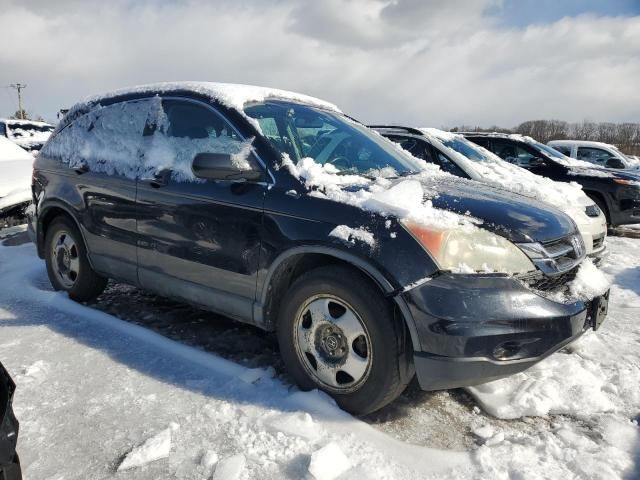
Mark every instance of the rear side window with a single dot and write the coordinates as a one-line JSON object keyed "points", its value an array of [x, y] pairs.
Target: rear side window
{"points": [[107, 139], [185, 129], [593, 155], [565, 150], [512, 152]]}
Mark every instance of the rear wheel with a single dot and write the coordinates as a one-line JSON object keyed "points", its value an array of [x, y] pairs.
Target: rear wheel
{"points": [[337, 333], [68, 267]]}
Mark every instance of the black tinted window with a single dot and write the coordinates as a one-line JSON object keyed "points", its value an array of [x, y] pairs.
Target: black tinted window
{"points": [[513, 152], [185, 129], [563, 149]]}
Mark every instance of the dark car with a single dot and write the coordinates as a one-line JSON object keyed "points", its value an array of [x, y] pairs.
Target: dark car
{"points": [[617, 193], [9, 463], [207, 193]]}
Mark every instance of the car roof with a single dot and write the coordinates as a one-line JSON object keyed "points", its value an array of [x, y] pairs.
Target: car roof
{"points": [[584, 143], [230, 95]]}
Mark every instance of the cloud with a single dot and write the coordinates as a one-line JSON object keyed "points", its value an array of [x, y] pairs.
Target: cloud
{"points": [[437, 63]]}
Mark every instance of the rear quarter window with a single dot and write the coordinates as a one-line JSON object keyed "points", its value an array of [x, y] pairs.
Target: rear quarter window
{"points": [[107, 139]]}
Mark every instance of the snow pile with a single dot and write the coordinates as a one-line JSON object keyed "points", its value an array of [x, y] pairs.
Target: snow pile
{"points": [[230, 468], [328, 463], [349, 235], [546, 388], [155, 448], [589, 283], [16, 167]]}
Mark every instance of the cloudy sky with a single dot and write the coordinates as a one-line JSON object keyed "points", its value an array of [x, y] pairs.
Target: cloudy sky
{"points": [[421, 62]]}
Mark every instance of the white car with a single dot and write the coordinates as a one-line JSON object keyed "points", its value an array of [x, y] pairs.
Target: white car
{"points": [[597, 153], [29, 134], [16, 167], [459, 156]]}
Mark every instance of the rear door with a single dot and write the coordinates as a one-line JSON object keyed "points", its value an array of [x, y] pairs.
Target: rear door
{"points": [[199, 239], [100, 154]]}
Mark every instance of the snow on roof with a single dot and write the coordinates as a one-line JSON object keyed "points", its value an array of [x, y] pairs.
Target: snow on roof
{"points": [[15, 121], [232, 95]]}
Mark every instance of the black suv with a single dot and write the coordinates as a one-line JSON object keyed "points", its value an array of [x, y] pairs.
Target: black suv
{"points": [[278, 210], [9, 463], [617, 193]]}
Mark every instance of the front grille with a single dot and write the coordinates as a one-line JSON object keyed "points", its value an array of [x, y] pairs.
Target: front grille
{"points": [[549, 283]]}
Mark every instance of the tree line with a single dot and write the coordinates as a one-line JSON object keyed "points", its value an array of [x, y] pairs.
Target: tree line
{"points": [[625, 136]]}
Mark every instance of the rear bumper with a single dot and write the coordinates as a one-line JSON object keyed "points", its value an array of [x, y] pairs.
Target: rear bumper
{"points": [[473, 328]]}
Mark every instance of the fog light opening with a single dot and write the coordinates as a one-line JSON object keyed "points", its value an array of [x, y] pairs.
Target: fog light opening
{"points": [[507, 350]]}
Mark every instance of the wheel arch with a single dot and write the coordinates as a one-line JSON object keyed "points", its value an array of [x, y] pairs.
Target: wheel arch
{"points": [[46, 216], [294, 262]]}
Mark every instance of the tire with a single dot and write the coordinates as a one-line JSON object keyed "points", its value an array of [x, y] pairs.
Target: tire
{"points": [[342, 297], [68, 267]]}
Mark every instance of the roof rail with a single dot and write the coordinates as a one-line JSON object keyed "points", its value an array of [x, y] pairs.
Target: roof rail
{"points": [[484, 134], [415, 131]]}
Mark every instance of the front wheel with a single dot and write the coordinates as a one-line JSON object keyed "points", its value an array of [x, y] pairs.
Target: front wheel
{"points": [[337, 333], [68, 267]]}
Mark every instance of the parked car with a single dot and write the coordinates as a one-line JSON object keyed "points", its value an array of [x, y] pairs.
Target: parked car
{"points": [[455, 154], [598, 153], [28, 134], [616, 192], [16, 166], [278, 210], [9, 462]]}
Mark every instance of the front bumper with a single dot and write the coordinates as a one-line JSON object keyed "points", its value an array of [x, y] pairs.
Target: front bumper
{"points": [[477, 328]]}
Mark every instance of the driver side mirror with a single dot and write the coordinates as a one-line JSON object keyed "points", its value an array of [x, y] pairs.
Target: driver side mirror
{"points": [[221, 166]]}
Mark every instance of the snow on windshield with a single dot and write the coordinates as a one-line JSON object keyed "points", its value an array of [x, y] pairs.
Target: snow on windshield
{"points": [[490, 168]]}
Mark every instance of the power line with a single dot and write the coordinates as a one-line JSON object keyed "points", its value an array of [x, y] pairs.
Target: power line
{"points": [[19, 87]]}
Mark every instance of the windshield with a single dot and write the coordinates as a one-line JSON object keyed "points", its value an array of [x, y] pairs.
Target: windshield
{"points": [[550, 152], [464, 147], [301, 131]]}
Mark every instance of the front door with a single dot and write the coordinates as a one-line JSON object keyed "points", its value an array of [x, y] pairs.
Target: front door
{"points": [[199, 240]]}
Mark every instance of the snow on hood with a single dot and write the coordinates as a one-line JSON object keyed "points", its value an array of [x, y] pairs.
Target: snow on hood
{"points": [[405, 199], [567, 197], [435, 199]]}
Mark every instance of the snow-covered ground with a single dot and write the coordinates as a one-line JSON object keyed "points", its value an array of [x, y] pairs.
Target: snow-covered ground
{"points": [[131, 397]]}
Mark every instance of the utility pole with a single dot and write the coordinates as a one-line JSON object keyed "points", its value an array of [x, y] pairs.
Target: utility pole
{"points": [[19, 87]]}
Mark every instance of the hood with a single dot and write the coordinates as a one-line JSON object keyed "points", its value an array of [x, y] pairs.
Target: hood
{"points": [[512, 216]]}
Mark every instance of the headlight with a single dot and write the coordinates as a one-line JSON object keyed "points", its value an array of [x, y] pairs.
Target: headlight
{"points": [[630, 183], [466, 250]]}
